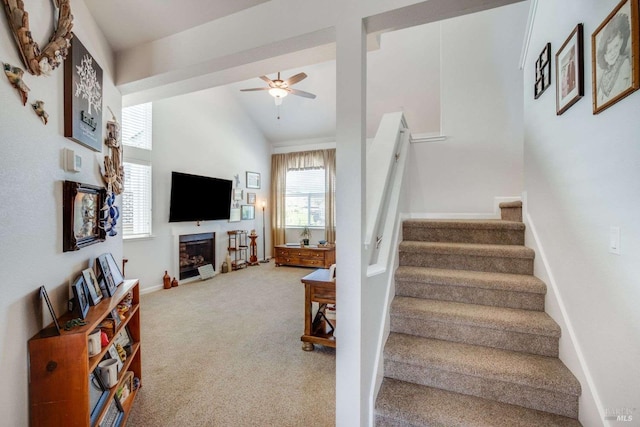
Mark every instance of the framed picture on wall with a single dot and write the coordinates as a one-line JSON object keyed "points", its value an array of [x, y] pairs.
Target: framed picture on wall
{"points": [[248, 212], [251, 198], [570, 71], [253, 180], [81, 215], [82, 97], [543, 71], [615, 56]]}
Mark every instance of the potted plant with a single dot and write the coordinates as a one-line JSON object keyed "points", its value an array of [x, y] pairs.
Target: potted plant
{"points": [[306, 235]]}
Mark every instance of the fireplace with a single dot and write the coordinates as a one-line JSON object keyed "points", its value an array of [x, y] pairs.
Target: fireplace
{"points": [[196, 250]]}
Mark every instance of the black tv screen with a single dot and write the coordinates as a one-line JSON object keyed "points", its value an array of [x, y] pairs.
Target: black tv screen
{"points": [[199, 198]]}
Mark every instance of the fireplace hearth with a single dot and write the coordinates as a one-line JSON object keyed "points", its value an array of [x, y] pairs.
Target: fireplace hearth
{"points": [[196, 250]]}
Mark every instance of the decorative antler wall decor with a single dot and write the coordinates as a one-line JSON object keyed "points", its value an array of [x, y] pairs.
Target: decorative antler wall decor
{"points": [[38, 61]]}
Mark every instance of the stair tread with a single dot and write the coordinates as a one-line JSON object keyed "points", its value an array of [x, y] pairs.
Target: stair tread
{"points": [[477, 224], [502, 318], [476, 279], [541, 372], [475, 249], [419, 405]]}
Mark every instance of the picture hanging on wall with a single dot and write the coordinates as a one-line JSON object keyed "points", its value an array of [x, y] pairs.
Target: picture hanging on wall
{"points": [[81, 215], [82, 97], [615, 56], [543, 71], [570, 71]]}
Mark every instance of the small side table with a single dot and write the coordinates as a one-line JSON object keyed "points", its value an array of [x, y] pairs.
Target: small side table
{"points": [[318, 329], [253, 250]]}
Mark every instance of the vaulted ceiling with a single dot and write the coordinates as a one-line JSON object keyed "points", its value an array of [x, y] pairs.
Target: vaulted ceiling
{"points": [[403, 68]]}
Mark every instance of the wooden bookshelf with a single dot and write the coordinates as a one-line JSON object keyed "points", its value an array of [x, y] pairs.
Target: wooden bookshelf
{"points": [[59, 366]]}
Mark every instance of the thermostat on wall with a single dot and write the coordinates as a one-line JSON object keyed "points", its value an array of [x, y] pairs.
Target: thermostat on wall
{"points": [[72, 161]]}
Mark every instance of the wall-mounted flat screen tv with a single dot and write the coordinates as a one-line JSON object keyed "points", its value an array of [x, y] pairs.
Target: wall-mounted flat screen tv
{"points": [[199, 198]]}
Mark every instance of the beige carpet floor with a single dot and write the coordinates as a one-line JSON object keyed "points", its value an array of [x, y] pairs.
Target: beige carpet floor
{"points": [[227, 352]]}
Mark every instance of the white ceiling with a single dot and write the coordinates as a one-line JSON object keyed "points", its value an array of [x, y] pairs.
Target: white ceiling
{"points": [[403, 74]]}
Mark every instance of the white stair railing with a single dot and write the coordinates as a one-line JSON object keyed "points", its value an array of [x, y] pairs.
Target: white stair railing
{"points": [[386, 162]]}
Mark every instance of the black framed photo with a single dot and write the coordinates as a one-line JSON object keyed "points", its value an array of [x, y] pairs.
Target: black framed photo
{"points": [[570, 71], [248, 212], [81, 225], [543, 71], [46, 330], [105, 274], [253, 180], [615, 56], [93, 286], [82, 97], [80, 296], [116, 274]]}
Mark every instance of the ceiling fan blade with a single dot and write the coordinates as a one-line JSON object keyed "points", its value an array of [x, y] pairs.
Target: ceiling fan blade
{"points": [[254, 88], [267, 79], [302, 93], [295, 79]]}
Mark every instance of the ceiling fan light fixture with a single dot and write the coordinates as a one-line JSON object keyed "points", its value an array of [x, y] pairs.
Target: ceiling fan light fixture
{"points": [[278, 92]]}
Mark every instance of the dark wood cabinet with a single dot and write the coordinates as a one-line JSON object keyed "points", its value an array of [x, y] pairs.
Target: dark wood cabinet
{"points": [[308, 256]]}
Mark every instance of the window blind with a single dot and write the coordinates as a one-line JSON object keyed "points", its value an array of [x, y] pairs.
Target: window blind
{"points": [[137, 126], [305, 198], [136, 200]]}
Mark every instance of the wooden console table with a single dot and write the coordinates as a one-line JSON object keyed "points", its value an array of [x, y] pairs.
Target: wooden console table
{"points": [[308, 256], [318, 329]]}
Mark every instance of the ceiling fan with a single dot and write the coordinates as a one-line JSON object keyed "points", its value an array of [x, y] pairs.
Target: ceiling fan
{"points": [[279, 88]]}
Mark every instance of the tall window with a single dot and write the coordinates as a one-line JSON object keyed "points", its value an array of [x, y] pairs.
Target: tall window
{"points": [[304, 199], [136, 199]]}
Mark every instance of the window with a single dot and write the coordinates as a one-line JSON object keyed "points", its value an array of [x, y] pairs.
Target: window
{"points": [[304, 198], [136, 126], [136, 198]]}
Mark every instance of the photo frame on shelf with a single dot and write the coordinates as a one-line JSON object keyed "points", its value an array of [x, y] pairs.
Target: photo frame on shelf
{"points": [[114, 269], [615, 56], [113, 415], [570, 71], [116, 318], [126, 387], [82, 97], [81, 213], [93, 286], [123, 338], [105, 274], [253, 180], [543, 71], [113, 354], [98, 395], [251, 198], [46, 329], [248, 212], [81, 299]]}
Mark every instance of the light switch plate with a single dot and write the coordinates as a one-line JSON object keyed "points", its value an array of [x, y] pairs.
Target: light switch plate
{"points": [[614, 240]]}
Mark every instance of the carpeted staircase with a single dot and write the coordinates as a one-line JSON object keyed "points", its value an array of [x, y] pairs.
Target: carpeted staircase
{"points": [[470, 343]]}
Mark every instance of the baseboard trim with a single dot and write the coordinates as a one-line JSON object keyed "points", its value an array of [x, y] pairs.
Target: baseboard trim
{"points": [[572, 349], [151, 289]]}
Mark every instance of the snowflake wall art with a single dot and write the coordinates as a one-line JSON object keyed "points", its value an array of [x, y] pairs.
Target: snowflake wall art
{"points": [[83, 97]]}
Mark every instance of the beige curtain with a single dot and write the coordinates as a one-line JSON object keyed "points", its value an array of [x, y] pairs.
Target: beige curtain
{"points": [[330, 195], [278, 188], [280, 165]]}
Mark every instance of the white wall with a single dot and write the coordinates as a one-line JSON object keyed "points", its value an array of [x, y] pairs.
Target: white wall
{"points": [[31, 178], [582, 175], [203, 133], [481, 98]]}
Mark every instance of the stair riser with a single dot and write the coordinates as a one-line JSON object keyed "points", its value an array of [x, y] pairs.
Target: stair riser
{"points": [[491, 297], [453, 235], [494, 264], [389, 422], [511, 214], [516, 394], [470, 334]]}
